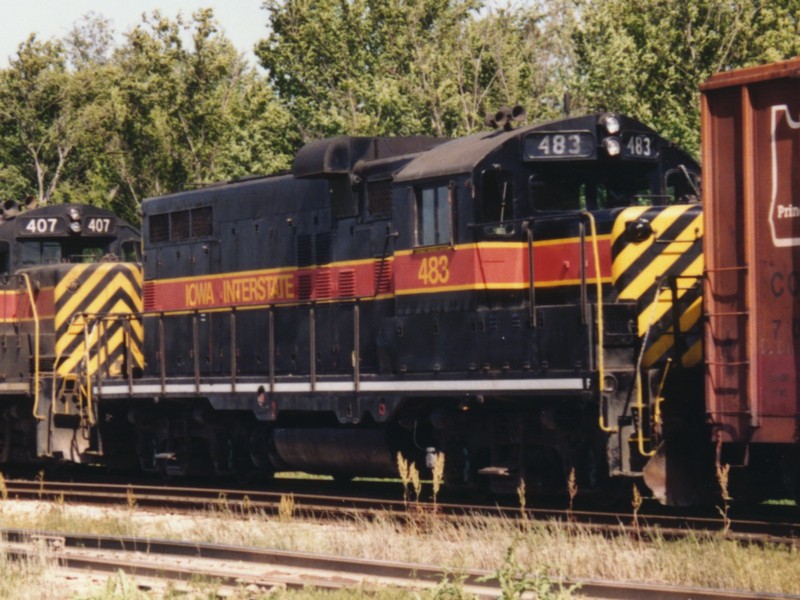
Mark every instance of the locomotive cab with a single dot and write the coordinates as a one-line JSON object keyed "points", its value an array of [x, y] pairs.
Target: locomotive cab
{"points": [[517, 250]]}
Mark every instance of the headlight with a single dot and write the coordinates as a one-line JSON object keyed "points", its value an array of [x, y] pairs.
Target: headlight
{"points": [[74, 214], [75, 227], [610, 123], [612, 146], [638, 230]]}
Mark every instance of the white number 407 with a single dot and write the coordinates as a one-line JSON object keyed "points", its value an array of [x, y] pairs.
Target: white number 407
{"points": [[41, 225], [98, 225]]}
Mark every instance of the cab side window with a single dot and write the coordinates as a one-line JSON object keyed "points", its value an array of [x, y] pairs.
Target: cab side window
{"points": [[131, 251], [433, 215], [498, 196]]}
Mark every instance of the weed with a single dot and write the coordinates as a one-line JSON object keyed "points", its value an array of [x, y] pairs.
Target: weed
{"points": [[3, 487], [40, 479], [130, 497], [722, 478], [438, 475], [517, 583], [451, 588], [636, 503], [572, 488], [222, 503], [416, 482], [286, 508], [521, 496], [247, 505], [405, 475]]}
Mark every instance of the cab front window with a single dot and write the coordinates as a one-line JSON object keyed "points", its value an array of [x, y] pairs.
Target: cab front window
{"points": [[37, 252], [48, 252]]}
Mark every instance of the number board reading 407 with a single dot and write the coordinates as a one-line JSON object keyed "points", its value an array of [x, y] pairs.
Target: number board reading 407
{"points": [[57, 226]]}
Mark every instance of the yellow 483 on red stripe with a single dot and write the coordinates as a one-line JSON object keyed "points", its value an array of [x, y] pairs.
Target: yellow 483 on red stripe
{"points": [[434, 270]]}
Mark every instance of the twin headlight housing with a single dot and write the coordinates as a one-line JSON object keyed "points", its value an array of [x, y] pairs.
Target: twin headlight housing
{"points": [[610, 123], [75, 220]]}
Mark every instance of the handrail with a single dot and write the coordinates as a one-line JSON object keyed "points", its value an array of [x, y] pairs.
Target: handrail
{"points": [[600, 325], [356, 356], [660, 395], [528, 228], [271, 349], [87, 365], [233, 349], [196, 351], [36, 348], [638, 377]]}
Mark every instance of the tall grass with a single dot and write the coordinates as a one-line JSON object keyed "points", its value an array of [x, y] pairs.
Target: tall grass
{"points": [[542, 550]]}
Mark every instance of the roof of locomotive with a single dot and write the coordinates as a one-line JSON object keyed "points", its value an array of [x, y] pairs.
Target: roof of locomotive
{"points": [[339, 155], [463, 155], [407, 159]]}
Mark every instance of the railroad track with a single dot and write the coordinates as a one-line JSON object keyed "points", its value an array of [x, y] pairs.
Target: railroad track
{"points": [[327, 506], [236, 566]]}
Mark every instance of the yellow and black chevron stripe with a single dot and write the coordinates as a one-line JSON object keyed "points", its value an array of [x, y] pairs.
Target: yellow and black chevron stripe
{"points": [[663, 274], [98, 323]]}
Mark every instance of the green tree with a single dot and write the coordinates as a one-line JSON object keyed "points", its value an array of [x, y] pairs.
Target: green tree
{"points": [[394, 67], [648, 57], [189, 116], [36, 120]]}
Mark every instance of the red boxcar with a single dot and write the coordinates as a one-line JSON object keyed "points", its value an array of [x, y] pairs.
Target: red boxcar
{"points": [[751, 193]]}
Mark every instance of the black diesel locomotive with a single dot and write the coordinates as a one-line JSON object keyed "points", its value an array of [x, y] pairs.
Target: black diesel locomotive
{"points": [[70, 296], [526, 301]]}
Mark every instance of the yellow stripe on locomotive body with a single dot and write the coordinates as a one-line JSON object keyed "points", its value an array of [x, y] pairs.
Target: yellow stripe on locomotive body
{"points": [[658, 263], [98, 319]]}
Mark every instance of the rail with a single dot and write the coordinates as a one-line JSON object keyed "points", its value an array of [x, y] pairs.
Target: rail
{"points": [[269, 310]]}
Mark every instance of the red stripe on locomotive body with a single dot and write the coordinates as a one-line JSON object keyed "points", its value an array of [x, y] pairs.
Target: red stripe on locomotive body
{"points": [[15, 306], [497, 266], [270, 286], [483, 266]]}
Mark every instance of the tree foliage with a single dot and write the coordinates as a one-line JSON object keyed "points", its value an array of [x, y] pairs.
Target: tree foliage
{"points": [[174, 105], [410, 66], [648, 57]]}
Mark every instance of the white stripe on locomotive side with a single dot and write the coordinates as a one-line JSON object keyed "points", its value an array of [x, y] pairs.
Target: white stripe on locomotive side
{"points": [[433, 386]]}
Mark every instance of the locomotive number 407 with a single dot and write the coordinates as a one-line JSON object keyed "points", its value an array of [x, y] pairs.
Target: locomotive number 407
{"points": [[434, 270], [99, 225], [42, 225]]}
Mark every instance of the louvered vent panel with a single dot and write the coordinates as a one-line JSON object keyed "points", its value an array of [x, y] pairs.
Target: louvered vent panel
{"points": [[347, 283], [149, 294], [383, 276], [304, 250], [322, 242], [305, 286], [323, 286]]}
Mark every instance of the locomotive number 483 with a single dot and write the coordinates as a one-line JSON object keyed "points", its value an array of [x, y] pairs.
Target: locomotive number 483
{"points": [[434, 270]]}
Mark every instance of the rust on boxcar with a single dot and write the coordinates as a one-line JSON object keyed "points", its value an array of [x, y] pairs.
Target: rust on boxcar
{"points": [[751, 193]]}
